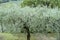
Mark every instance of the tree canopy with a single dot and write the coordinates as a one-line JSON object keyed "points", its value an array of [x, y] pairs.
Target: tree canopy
{"points": [[48, 3]]}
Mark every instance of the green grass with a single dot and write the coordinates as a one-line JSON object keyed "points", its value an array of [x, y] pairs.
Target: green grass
{"points": [[22, 36], [8, 36]]}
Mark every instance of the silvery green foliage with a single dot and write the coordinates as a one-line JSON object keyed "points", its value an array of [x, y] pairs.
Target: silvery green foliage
{"points": [[40, 19]]}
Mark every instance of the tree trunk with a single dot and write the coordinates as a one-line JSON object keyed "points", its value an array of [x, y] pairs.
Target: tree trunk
{"points": [[27, 30], [28, 34]]}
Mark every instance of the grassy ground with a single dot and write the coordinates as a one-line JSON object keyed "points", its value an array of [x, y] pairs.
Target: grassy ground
{"points": [[21, 36]]}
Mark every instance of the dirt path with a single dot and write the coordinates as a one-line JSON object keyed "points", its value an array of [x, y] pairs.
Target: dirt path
{"points": [[1, 37], [44, 37]]}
